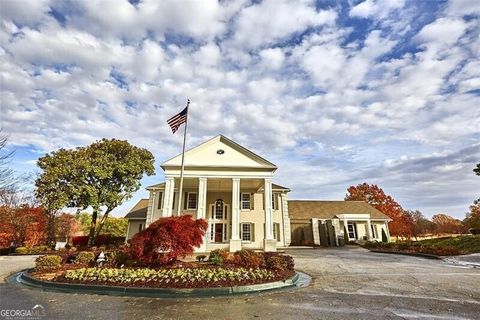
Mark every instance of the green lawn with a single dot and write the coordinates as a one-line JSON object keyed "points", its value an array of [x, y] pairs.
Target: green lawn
{"points": [[441, 246], [466, 244]]}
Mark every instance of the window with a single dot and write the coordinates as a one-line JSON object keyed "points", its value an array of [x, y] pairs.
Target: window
{"points": [[160, 200], [192, 200], [274, 201], [140, 227], [276, 231], [352, 235], [219, 209], [246, 198], [246, 231], [374, 230]]}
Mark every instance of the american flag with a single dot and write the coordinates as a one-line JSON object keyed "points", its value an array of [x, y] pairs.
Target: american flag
{"points": [[177, 120]]}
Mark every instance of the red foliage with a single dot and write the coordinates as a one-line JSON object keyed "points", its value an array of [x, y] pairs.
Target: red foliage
{"points": [[402, 224], [24, 225], [167, 239]]}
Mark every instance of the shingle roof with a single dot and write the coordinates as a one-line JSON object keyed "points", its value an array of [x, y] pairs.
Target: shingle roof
{"points": [[305, 209], [139, 211]]}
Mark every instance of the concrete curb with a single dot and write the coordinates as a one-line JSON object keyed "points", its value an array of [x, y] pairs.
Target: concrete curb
{"points": [[414, 254], [22, 278]]}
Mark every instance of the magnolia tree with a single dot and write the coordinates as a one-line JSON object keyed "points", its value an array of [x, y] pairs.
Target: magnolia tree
{"points": [[166, 239], [101, 176]]}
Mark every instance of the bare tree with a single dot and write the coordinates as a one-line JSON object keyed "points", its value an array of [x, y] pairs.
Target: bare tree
{"points": [[7, 175]]}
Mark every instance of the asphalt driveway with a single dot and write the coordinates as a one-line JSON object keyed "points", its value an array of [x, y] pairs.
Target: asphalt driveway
{"points": [[348, 283]]}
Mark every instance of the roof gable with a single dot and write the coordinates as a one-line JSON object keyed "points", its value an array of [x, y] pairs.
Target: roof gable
{"points": [[139, 211], [208, 154]]}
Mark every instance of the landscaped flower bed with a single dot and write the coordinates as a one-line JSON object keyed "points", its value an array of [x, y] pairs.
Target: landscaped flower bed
{"points": [[169, 278], [149, 262]]}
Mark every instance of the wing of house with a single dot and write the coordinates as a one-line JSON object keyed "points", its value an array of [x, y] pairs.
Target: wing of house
{"points": [[313, 221]]}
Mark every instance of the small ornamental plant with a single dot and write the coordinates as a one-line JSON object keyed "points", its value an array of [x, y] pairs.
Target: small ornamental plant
{"points": [[84, 257], [167, 239], [48, 263]]}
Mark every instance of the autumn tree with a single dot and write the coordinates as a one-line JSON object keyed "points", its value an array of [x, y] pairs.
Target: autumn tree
{"points": [[401, 224], [66, 226], [472, 219], [447, 224], [421, 225], [102, 176]]}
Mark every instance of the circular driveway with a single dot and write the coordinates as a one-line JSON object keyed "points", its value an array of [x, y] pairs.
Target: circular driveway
{"points": [[347, 283]]}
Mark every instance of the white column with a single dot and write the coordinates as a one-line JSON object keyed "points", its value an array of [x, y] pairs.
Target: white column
{"points": [[150, 206], [202, 198], [202, 210], [369, 230], [268, 209], [345, 225], [387, 231], [168, 197], [235, 241], [235, 209]]}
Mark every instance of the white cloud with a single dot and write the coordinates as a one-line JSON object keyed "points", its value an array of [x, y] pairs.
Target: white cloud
{"points": [[271, 21], [376, 8], [289, 80]]}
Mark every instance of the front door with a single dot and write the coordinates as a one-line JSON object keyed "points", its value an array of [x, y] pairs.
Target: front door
{"points": [[218, 222], [218, 232]]}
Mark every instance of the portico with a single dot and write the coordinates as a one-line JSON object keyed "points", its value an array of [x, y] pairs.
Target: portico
{"points": [[231, 188]]}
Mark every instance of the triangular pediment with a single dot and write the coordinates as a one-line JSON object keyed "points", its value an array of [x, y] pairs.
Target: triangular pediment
{"points": [[220, 152]]}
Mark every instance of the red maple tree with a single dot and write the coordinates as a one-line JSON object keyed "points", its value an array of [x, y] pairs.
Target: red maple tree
{"points": [[401, 224], [167, 239]]}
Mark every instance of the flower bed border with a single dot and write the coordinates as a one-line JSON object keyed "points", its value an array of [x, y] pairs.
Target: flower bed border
{"points": [[298, 280]]}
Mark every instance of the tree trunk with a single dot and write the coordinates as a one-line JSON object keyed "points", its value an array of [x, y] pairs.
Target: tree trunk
{"points": [[102, 222], [93, 226], [50, 228]]}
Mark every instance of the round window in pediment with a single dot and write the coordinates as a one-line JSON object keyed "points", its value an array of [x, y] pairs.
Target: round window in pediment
{"points": [[220, 151]]}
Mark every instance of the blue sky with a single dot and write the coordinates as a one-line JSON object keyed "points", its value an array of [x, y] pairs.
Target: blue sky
{"points": [[334, 93]]}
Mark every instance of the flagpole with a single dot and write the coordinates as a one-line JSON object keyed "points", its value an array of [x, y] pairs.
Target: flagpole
{"points": [[183, 162]]}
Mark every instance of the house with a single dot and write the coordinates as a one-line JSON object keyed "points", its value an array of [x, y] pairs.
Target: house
{"points": [[324, 222], [231, 188]]}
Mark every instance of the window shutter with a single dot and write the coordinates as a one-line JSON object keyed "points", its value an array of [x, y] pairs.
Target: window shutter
{"points": [[251, 201], [173, 202], [241, 231], [263, 201], [185, 201], [277, 231], [252, 232]]}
